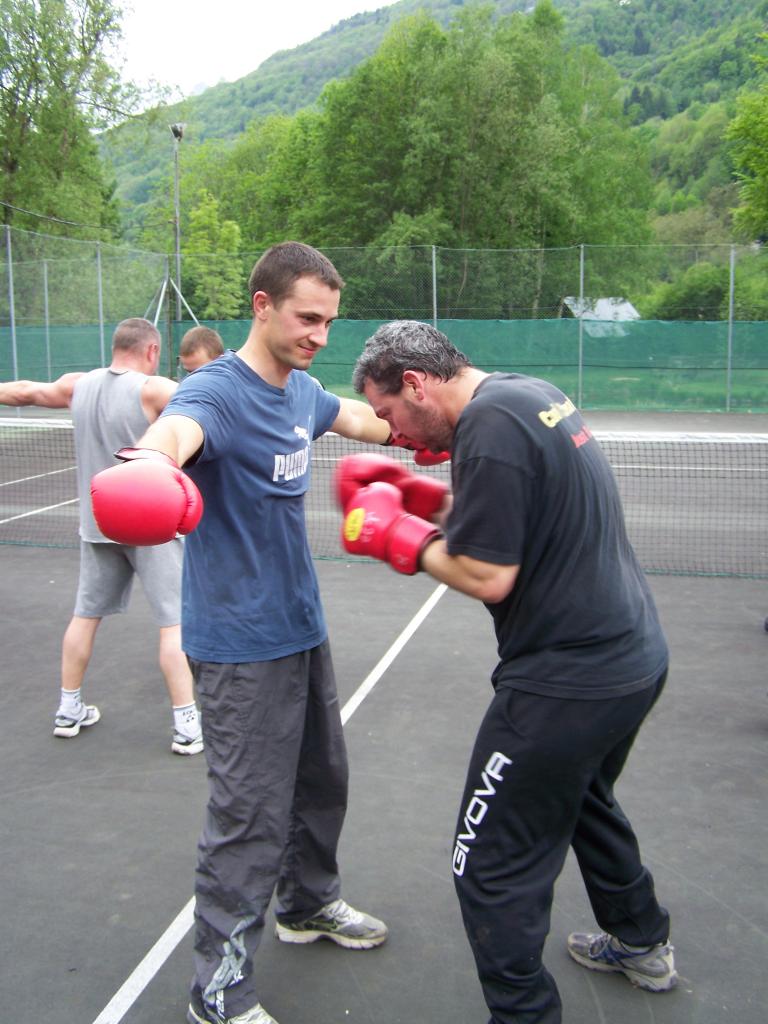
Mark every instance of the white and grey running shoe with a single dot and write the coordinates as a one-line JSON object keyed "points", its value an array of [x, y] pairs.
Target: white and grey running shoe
{"points": [[187, 744], [67, 727], [338, 922], [256, 1015]]}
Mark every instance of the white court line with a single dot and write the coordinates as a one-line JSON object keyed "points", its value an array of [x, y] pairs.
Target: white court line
{"points": [[37, 476], [130, 991], [132, 988], [373, 677], [38, 511]]}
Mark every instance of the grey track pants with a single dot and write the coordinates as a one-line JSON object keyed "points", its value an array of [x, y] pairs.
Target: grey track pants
{"points": [[277, 769]]}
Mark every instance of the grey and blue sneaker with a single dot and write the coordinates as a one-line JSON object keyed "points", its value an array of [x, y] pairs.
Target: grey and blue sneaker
{"points": [[66, 726], [338, 922], [648, 967]]}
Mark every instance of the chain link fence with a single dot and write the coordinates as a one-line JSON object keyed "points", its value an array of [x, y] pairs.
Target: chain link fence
{"points": [[657, 326]]}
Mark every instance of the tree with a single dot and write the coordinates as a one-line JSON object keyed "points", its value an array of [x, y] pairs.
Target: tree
{"points": [[56, 85], [490, 134], [748, 134], [698, 294], [212, 263]]}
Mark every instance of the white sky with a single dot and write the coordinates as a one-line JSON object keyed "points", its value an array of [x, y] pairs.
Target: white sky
{"points": [[191, 45]]}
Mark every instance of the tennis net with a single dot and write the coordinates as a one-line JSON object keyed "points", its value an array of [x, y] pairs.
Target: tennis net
{"points": [[695, 503]]}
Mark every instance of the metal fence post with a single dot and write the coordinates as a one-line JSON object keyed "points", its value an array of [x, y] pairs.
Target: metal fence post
{"points": [[580, 386], [11, 305], [434, 287], [101, 303], [46, 314], [731, 291]]}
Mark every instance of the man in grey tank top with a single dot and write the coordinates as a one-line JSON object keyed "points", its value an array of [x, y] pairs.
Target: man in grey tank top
{"points": [[111, 407]]}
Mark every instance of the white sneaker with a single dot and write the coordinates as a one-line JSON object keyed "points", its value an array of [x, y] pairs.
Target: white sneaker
{"points": [[64, 725], [187, 744]]}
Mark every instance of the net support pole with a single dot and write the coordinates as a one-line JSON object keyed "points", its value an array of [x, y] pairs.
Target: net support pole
{"points": [[100, 295], [434, 287], [729, 362], [181, 298], [580, 371], [46, 314], [11, 304]]}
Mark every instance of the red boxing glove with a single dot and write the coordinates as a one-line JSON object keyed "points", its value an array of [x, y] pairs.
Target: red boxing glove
{"points": [[424, 457], [377, 526], [146, 501], [423, 495]]}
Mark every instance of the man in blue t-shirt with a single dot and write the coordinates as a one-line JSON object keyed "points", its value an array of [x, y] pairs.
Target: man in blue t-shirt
{"points": [[253, 627], [536, 531]]}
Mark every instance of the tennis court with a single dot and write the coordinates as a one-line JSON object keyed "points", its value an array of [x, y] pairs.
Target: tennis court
{"points": [[99, 833]]}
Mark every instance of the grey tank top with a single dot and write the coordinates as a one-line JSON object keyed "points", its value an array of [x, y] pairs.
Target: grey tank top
{"points": [[107, 415]]}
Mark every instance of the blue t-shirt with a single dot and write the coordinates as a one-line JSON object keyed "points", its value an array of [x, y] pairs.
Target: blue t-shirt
{"points": [[249, 589]]}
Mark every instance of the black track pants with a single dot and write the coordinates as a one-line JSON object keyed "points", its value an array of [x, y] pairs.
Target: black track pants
{"points": [[540, 779]]}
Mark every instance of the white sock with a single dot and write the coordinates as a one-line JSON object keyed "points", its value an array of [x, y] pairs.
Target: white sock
{"points": [[186, 720], [71, 703]]}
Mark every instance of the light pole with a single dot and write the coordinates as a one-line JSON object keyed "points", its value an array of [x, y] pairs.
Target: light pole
{"points": [[177, 131]]}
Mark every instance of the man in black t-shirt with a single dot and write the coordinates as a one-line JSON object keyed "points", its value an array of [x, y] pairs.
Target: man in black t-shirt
{"points": [[536, 531]]}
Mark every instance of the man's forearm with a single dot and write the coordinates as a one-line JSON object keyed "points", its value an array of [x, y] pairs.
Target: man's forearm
{"points": [[176, 436], [54, 395], [482, 580], [21, 392]]}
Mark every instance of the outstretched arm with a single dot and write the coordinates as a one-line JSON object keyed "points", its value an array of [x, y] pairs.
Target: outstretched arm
{"points": [[177, 436], [55, 395], [358, 421]]}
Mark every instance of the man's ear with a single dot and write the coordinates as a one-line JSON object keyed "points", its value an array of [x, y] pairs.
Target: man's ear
{"points": [[413, 383], [259, 303]]}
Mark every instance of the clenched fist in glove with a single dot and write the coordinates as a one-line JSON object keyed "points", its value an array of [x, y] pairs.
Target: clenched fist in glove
{"points": [[377, 525], [422, 495], [146, 500], [424, 457]]}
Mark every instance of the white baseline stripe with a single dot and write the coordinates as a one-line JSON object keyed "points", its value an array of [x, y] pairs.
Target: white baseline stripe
{"points": [[132, 988]]}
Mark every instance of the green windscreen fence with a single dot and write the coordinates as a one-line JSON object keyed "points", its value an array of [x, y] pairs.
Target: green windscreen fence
{"points": [[640, 364], [633, 365]]}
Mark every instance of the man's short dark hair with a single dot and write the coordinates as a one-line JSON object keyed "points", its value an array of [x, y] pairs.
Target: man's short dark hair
{"points": [[133, 334], [201, 338], [283, 264]]}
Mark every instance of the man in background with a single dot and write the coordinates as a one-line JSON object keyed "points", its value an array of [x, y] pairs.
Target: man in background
{"points": [[200, 345], [110, 405]]}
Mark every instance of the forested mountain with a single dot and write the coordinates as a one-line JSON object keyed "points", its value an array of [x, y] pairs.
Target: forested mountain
{"points": [[681, 64]]}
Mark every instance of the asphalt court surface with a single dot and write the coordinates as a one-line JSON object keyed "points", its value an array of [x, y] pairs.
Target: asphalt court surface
{"points": [[99, 833]]}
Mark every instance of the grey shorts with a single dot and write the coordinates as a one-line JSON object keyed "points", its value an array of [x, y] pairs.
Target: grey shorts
{"points": [[106, 577]]}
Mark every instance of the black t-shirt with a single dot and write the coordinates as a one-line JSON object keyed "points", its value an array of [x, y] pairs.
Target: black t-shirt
{"points": [[532, 487]]}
